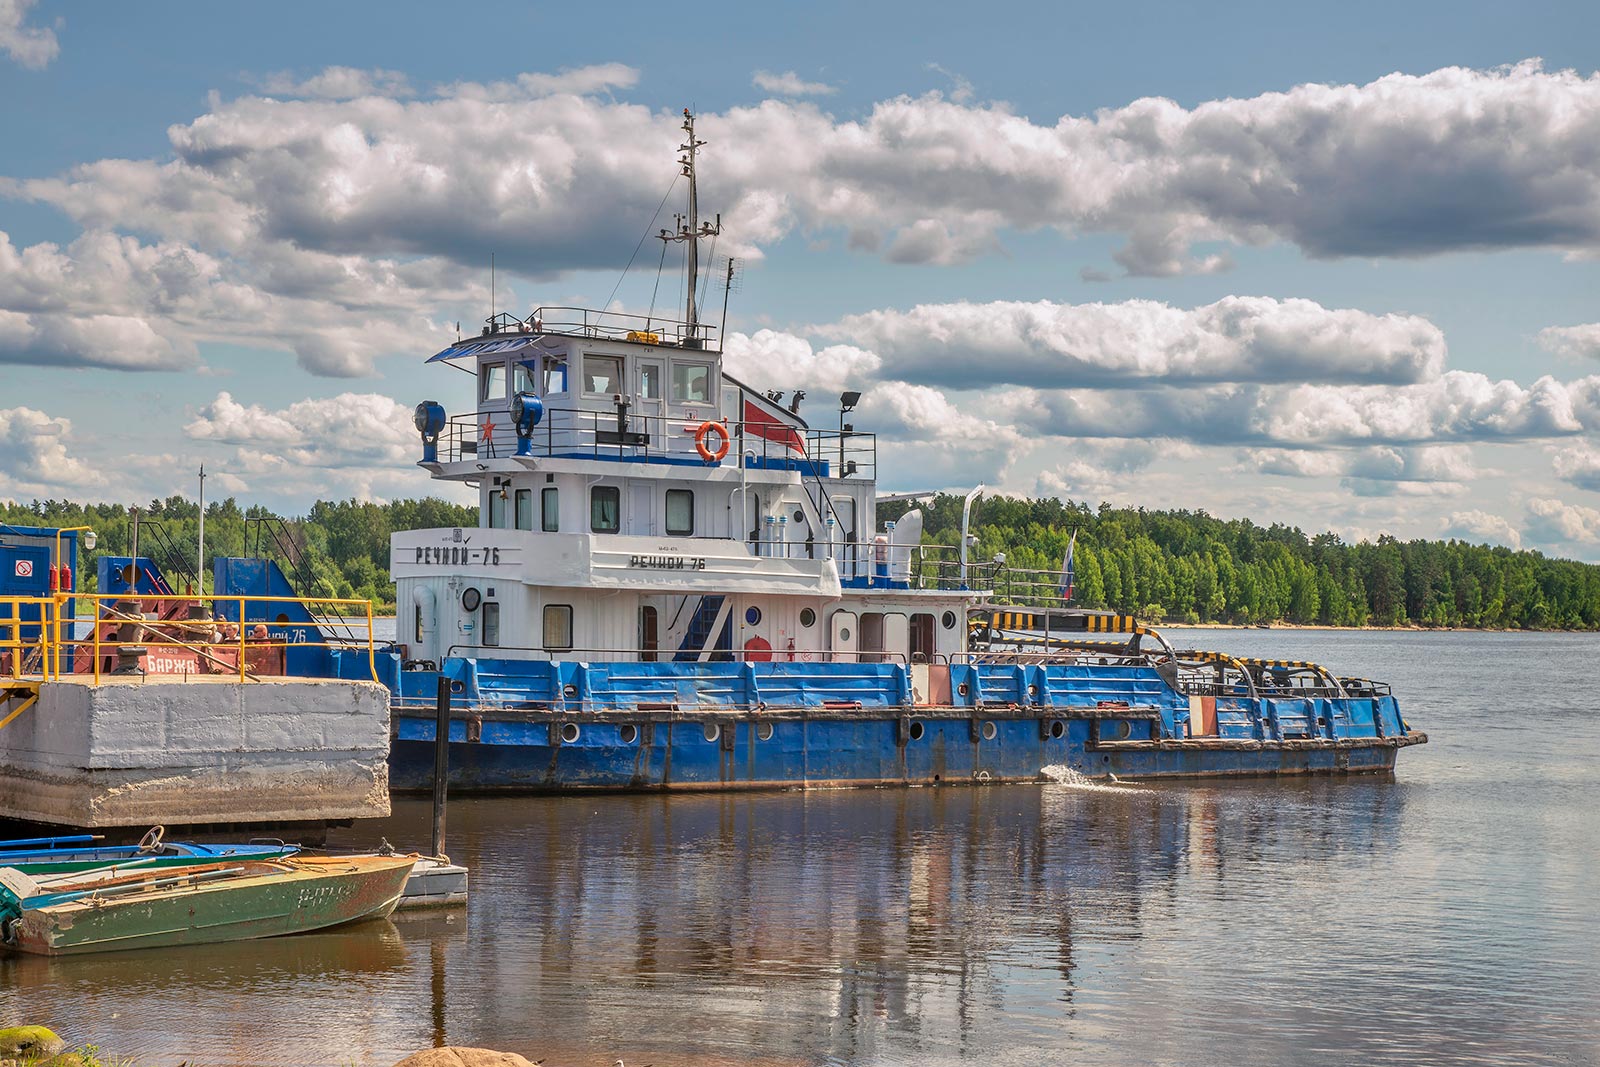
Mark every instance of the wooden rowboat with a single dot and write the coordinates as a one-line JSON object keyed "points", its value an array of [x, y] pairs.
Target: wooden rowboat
{"points": [[119, 908]]}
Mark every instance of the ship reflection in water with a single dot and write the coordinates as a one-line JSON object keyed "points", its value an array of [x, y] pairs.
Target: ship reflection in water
{"points": [[1307, 922], [1010, 924]]}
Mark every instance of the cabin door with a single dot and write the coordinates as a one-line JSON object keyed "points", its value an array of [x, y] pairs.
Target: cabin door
{"points": [[842, 636], [649, 374], [641, 509], [896, 637]]}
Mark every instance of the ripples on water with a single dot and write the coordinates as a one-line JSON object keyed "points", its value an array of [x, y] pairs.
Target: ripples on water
{"points": [[1441, 917]]}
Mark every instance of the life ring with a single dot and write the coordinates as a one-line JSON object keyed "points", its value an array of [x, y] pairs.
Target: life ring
{"points": [[700, 441], [758, 650]]}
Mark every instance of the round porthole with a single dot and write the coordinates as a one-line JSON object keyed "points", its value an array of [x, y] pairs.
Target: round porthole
{"points": [[457, 687], [471, 598], [949, 620], [1121, 731], [569, 732], [711, 731], [808, 617], [844, 634], [752, 615], [628, 733], [916, 731], [764, 731], [569, 691], [962, 689], [989, 730], [799, 516], [1058, 730]]}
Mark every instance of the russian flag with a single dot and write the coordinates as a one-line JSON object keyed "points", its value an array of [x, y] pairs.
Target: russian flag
{"points": [[1066, 568]]}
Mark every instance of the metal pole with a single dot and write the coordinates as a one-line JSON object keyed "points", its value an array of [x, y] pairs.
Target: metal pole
{"points": [[200, 560], [441, 763], [133, 586]]}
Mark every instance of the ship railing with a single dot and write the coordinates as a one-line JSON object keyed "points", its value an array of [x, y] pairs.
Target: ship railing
{"points": [[37, 638], [607, 325], [670, 655], [873, 564], [603, 434]]}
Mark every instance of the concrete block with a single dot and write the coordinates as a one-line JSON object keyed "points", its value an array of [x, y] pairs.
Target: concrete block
{"points": [[131, 752]]}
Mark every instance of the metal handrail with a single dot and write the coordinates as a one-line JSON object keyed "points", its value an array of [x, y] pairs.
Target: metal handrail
{"points": [[568, 430], [51, 642], [668, 655]]}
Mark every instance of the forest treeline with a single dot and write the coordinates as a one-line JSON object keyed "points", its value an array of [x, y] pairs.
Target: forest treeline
{"points": [[339, 549], [1173, 566], [1187, 566]]}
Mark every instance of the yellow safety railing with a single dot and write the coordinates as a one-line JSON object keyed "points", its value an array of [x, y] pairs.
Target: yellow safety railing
{"points": [[19, 652], [206, 637]]}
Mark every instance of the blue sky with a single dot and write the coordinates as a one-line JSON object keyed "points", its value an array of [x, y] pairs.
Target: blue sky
{"points": [[1336, 267]]}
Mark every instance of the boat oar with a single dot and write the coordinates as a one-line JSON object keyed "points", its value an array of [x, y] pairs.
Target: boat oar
{"points": [[31, 843], [110, 870], [50, 899]]}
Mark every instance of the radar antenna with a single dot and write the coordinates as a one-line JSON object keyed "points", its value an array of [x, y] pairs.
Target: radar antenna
{"points": [[690, 230]]}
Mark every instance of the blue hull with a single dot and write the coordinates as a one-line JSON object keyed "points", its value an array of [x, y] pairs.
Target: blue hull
{"points": [[532, 757]]}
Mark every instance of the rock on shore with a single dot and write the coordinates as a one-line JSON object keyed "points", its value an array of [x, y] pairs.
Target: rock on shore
{"points": [[459, 1056]]}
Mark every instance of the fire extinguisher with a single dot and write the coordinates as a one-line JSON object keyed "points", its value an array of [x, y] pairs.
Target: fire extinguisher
{"points": [[54, 578], [66, 578], [791, 650]]}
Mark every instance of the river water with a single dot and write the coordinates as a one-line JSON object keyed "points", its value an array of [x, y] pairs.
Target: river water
{"points": [[1443, 916]]}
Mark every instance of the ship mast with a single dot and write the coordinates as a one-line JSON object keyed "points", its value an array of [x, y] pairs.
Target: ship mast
{"points": [[690, 230]]}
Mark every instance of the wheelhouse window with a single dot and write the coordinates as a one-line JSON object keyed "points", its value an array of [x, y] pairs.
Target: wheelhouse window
{"points": [[605, 509], [650, 381], [497, 509], [525, 377], [491, 382], [691, 383], [602, 374], [555, 376], [558, 627], [680, 511], [550, 509], [524, 509], [491, 622]]}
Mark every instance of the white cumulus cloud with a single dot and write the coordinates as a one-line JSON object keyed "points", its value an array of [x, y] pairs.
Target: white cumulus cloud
{"points": [[29, 46], [1573, 341], [789, 84], [1554, 522]]}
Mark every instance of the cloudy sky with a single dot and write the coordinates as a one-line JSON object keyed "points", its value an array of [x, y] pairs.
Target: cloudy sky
{"points": [[1338, 268]]}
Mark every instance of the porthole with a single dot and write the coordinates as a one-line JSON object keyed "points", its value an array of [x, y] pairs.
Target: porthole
{"points": [[711, 731], [471, 598], [1033, 692], [457, 687], [808, 617], [752, 615], [962, 689], [569, 732], [844, 633], [989, 730], [799, 516], [627, 733], [1121, 731], [763, 731], [1058, 729], [916, 731], [949, 620], [569, 691]]}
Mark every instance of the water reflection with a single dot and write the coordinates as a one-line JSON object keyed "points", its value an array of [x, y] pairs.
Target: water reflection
{"points": [[1440, 917]]}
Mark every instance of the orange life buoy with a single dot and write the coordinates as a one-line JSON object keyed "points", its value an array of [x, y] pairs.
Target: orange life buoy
{"points": [[700, 441]]}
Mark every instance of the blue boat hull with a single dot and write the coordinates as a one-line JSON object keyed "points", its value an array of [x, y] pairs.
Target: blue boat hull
{"points": [[533, 757]]}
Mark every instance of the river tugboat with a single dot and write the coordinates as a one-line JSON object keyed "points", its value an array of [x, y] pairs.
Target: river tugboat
{"points": [[678, 583]]}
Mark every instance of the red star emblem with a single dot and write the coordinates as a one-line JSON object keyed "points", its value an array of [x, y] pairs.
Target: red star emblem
{"points": [[488, 430]]}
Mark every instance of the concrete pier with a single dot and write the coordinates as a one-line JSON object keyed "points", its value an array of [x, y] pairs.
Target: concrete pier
{"points": [[136, 751]]}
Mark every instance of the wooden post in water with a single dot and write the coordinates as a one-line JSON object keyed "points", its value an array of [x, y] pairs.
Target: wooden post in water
{"points": [[441, 763]]}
